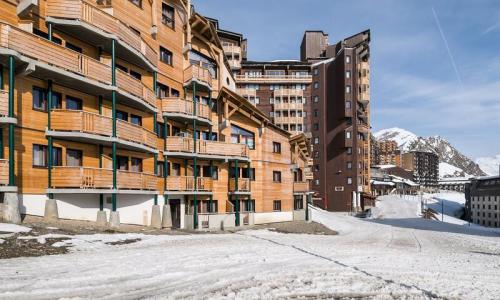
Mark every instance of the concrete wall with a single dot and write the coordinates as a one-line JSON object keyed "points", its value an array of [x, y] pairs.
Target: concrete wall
{"points": [[299, 215], [273, 217]]}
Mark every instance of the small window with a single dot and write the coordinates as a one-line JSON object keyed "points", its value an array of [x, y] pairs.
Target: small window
{"points": [[74, 47], [347, 74], [166, 56], [74, 158], [122, 68], [316, 140], [276, 147], [316, 113], [349, 180], [276, 176], [137, 120], [73, 103], [277, 205], [122, 162], [40, 156], [316, 85], [160, 168], [316, 168], [40, 97], [316, 181], [347, 89], [121, 115], [315, 71], [348, 105], [137, 3], [168, 15], [349, 150], [347, 59], [316, 99], [298, 202], [347, 134], [136, 75], [136, 164], [316, 126], [349, 165], [176, 169], [161, 90], [45, 35]]}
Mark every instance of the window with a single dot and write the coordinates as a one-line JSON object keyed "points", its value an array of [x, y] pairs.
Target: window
{"points": [[316, 85], [197, 58], [46, 36], [349, 180], [40, 158], [161, 90], [316, 168], [40, 97], [316, 99], [122, 162], [349, 165], [316, 154], [298, 202], [276, 176], [168, 15], [316, 140], [316, 181], [347, 89], [73, 103], [166, 56], [122, 68], [245, 173], [160, 130], [136, 164], [347, 59], [276, 147], [121, 115], [74, 158], [160, 168], [348, 105], [277, 205], [137, 3], [137, 120], [316, 113], [349, 150], [347, 74], [136, 75], [240, 135], [315, 71], [347, 134], [74, 47], [316, 126], [176, 169]]}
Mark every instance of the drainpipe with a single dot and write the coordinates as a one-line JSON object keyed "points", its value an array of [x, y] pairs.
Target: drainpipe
{"points": [[195, 196], [11, 115], [113, 112], [237, 197], [49, 126]]}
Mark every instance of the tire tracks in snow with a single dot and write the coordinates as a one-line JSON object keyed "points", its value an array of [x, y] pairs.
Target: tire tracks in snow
{"points": [[427, 293]]}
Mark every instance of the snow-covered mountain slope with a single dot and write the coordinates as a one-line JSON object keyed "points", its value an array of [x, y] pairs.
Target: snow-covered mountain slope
{"points": [[408, 141], [447, 170], [490, 165]]}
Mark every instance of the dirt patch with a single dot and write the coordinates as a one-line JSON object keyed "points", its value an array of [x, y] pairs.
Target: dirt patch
{"points": [[300, 227], [123, 242], [13, 247]]}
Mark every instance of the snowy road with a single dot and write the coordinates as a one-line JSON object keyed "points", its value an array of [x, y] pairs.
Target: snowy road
{"points": [[390, 258]]}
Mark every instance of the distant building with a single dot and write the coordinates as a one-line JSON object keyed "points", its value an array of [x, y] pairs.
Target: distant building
{"points": [[425, 167], [456, 184], [483, 201], [388, 153], [384, 183]]}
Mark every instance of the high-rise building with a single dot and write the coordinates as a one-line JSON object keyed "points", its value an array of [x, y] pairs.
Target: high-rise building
{"points": [[388, 153], [110, 109], [425, 167]]}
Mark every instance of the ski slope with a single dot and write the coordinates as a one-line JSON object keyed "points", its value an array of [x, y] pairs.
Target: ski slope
{"points": [[396, 256]]}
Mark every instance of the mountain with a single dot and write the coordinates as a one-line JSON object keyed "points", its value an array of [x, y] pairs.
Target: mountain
{"points": [[457, 164], [490, 165]]}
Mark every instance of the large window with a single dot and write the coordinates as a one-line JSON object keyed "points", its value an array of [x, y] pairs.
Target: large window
{"points": [[196, 58], [136, 164], [166, 56], [168, 15], [161, 90], [40, 158], [121, 115], [74, 158], [137, 120], [240, 135], [298, 202], [122, 162], [40, 97], [248, 173], [73, 103]]}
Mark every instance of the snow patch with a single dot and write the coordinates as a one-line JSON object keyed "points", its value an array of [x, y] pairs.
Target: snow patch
{"points": [[13, 228]]}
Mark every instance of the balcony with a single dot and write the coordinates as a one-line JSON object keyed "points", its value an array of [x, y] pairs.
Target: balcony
{"points": [[198, 74], [96, 27], [300, 187], [246, 92], [45, 59], [186, 184], [4, 171], [232, 49], [243, 185], [97, 178], [288, 105], [234, 64], [86, 126], [180, 109], [4, 109], [288, 93], [184, 147], [273, 78], [289, 120]]}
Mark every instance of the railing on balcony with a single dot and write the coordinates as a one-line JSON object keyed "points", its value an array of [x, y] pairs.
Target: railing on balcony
{"points": [[288, 105], [234, 64], [198, 73], [300, 186], [243, 185], [182, 106], [89, 13], [87, 122], [186, 144], [288, 120], [4, 171], [288, 92], [232, 49], [97, 178], [56, 55], [186, 183], [4, 103], [247, 92], [274, 78]]}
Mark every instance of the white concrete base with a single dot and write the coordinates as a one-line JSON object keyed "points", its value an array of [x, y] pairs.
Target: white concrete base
{"points": [[155, 217], [11, 212], [299, 215], [102, 218], [166, 220], [114, 219], [273, 217], [51, 213]]}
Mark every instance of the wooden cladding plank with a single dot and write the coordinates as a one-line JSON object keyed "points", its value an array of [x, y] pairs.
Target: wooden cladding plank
{"points": [[4, 171], [4, 103]]}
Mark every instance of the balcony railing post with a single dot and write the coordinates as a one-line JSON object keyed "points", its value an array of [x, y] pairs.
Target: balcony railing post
{"points": [[11, 115]]}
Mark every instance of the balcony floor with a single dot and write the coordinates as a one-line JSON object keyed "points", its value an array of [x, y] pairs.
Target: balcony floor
{"points": [[205, 156], [181, 193], [100, 191], [180, 117]]}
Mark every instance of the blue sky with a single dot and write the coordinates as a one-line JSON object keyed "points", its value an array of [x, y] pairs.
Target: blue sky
{"points": [[429, 81]]}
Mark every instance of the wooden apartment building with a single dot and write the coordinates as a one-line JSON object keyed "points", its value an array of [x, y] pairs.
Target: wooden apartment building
{"points": [[127, 110]]}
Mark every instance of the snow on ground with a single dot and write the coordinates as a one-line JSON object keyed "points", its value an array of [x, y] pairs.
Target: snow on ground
{"points": [[13, 228], [399, 256]]}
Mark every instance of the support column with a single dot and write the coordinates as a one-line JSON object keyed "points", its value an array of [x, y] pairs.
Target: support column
{"points": [[195, 172], [11, 212], [249, 172], [166, 219], [114, 218], [102, 218], [236, 196], [155, 210], [211, 199], [308, 197], [51, 212]]}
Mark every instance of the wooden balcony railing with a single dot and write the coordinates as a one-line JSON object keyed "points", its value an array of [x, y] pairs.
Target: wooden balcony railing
{"points": [[243, 185], [247, 92], [288, 93], [4, 103], [234, 63], [232, 49], [274, 78], [87, 122], [56, 55], [198, 73], [87, 12], [288, 105], [186, 183], [96, 178], [4, 171], [289, 120], [182, 106], [300, 186], [186, 144]]}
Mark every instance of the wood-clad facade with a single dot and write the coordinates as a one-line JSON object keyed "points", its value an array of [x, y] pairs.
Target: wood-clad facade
{"points": [[121, 106]]}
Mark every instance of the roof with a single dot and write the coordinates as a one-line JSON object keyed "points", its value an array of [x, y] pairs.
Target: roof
{"points": [[280, 63]]}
